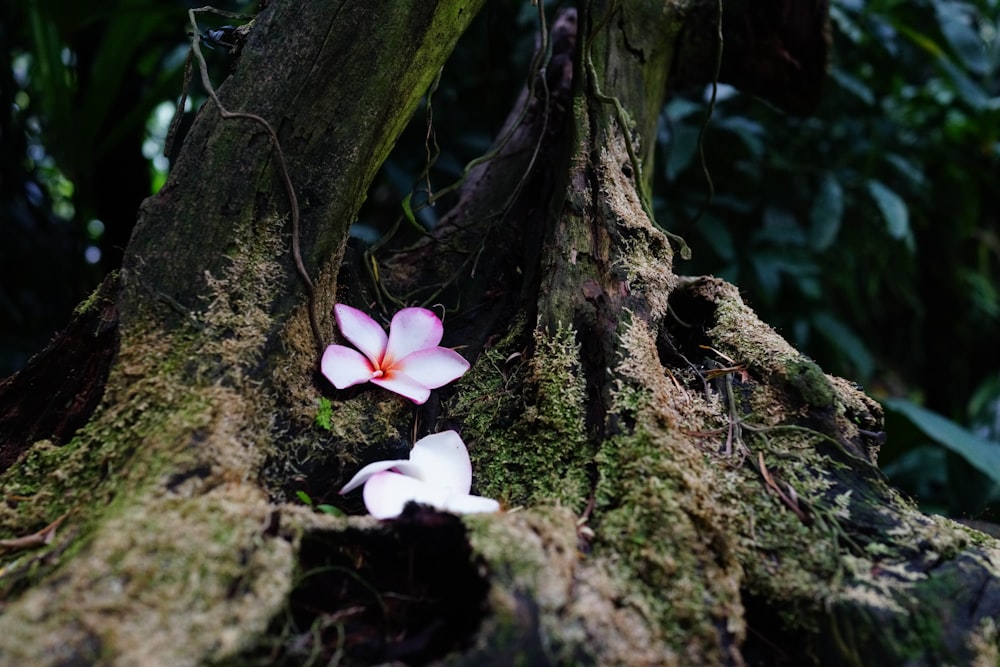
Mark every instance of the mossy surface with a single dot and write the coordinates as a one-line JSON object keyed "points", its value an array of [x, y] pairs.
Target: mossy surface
{"points": [[160, 557], [687, 528], [523, 419]]}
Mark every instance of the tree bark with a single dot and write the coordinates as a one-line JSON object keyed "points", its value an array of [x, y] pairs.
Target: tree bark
{"points": [[680, 485]]}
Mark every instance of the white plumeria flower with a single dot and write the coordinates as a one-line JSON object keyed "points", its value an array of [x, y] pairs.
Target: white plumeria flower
{"points": [[438, 473], [408, 361]]}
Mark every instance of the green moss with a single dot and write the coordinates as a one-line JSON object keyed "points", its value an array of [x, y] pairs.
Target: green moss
{"points": [[98, 297], [550, 605], [810, 382], [127, 446], [165, 456], [172, 578], [691, 531], [524, 422], [533, 550]]}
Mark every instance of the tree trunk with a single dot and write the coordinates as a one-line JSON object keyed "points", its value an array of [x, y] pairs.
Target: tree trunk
{"points": [[680, 485]]}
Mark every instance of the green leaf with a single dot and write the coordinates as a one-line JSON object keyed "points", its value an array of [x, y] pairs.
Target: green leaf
{"points": [[853, 85], [912, 171], [304, 497], [55, 80], [324, 414], [126, 35], [679, 108], [781, 227], [750, 132], [970, 91], [771, 264], [921, 40], [844, 23], [956, 20], [845, 340], [893, 208], [330, 509], [982, 454], [408, 210], [826, 213]]}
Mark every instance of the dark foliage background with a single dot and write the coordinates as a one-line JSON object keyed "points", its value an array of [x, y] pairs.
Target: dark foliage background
{"points": [[867, 234]]}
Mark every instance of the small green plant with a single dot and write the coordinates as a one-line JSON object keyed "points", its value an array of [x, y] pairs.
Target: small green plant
{"points": [[324, 508], [324, 415]]}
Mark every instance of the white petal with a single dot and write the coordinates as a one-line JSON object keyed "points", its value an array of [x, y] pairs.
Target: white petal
{"points": [[405, 385], [433, 368], [363, 332], [412, 329], [442, 460], [387, 493], [466, 504], [345, 367], [368, 471]]}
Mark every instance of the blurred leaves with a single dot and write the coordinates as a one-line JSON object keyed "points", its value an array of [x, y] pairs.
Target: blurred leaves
{"points": [[981, 453], [869, 234], [826, 213], [894, 210], [80, 84]]}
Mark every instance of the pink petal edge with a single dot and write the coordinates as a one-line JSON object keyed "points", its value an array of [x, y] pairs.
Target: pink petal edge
{"points": [[362, 331], [405, 386], [412, 329], [345, 367], [369, 471], [433, 368]]}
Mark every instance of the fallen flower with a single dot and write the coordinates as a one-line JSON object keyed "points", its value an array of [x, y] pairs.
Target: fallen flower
{"points": [[438, 473], [408, 361]]}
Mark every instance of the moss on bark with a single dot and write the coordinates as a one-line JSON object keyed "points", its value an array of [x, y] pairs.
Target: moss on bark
{"points": [[680, 485]]}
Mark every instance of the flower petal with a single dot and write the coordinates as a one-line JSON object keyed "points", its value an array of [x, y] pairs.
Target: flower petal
{"points": [[467, 504], [363, 332], [441, 459], [369, 471], [344, 366], [387, 493], [412, 329], [405, 385], [434, 367]]}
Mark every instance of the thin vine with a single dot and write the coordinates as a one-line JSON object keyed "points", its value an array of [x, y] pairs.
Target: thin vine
{"points": [[710, 193], [280, 159], [622, 118], [536, 74]]}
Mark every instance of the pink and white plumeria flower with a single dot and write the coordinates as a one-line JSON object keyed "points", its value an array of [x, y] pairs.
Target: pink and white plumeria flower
{"points": [[408, 361], [438, 473]]}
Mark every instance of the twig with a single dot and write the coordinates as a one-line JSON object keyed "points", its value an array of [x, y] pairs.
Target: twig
{"points": [[37, 539], [168, 144], [536, 68], [790, 499]]}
